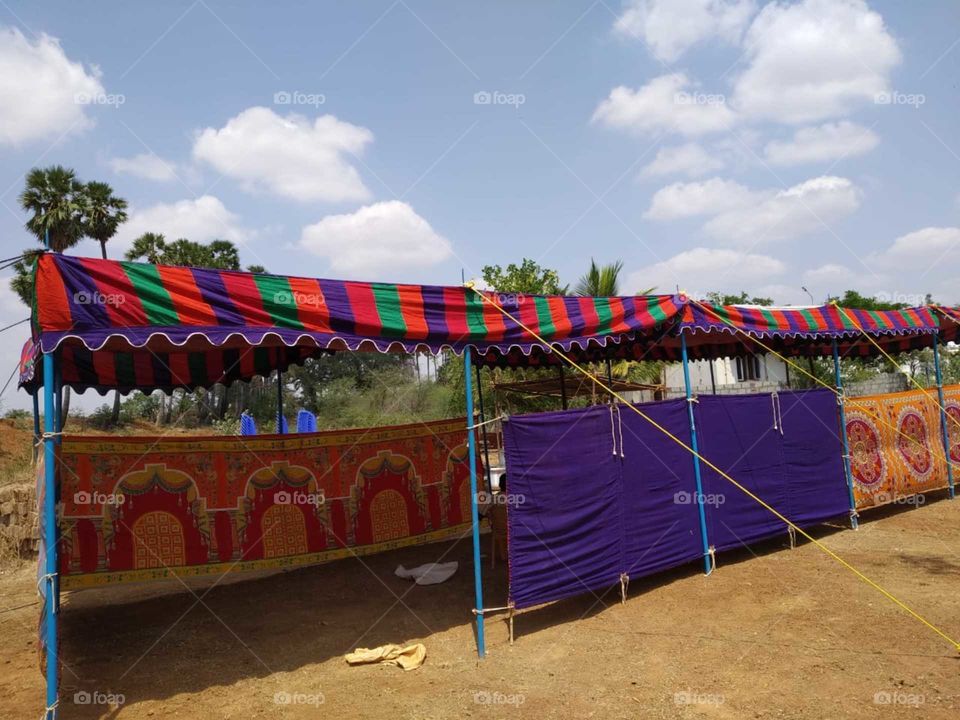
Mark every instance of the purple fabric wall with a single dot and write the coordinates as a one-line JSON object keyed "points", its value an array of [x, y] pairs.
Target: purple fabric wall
{"points": [[581, 514], [736, 433], [793, 462], [564, 524], [813, 456], [661, 521]]}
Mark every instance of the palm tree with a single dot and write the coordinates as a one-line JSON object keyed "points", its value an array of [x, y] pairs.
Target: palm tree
{"points": [[151, 247], [55, 199], [103, 212], [54, 196], [600, 280]]}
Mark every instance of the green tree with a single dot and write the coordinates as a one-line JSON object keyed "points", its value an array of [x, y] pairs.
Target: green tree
{"points": [[219, 254], [854, 299], [527, 277], [600, 280], [149, 247], [103, 213], [718, 298]]}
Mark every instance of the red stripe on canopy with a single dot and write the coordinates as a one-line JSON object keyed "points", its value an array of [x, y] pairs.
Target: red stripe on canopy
{"points": [[363, 304], [245, 295], [411, 306], [311, 304], [187, 300]]}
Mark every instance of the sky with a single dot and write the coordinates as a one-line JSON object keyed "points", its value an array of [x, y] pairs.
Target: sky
{"points": [[711, 145]]}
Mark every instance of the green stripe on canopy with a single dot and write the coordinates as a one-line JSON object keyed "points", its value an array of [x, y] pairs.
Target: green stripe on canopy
{"points": [[604, 314], [478, 328], [153, 295], [279, 300], [544, 317], [387, 298]]}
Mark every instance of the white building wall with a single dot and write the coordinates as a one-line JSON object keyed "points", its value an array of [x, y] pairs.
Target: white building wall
{"points": [[773, 375]]}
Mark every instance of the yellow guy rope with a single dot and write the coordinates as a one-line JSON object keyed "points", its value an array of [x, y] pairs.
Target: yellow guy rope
{"points": [[766, 348], [720, 472]]}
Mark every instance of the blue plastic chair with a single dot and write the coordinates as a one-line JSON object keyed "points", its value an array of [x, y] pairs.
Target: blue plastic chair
{"points": [[248, 426], [306, 422], [282, 428]]}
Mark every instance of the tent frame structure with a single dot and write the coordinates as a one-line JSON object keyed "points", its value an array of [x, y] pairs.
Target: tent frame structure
{"points": [[592, 329]]}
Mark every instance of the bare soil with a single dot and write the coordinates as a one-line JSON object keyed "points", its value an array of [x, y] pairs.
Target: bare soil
{"points": [[773, 633]]}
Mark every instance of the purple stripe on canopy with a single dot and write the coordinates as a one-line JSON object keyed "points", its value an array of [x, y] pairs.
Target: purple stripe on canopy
{"points": [[82, 297], [338, 305], [215, 294], [433, 311]]}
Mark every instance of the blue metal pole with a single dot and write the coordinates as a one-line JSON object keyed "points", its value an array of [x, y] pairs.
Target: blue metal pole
{"points": [[696, 457], [943, 414], [50, 530], [843, 436], [474, 510], [50, 422]]}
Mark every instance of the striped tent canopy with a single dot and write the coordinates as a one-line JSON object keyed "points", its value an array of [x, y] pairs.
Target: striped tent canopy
{"points": [[726, 330], [126, 325], [949, 322]]}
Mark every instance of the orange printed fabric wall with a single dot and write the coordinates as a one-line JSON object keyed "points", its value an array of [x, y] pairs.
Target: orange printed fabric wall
{"points": [[140, 508], [896, 444]]}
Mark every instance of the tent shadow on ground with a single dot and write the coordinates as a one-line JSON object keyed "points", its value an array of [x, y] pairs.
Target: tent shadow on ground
{"points": [[149, 646]]}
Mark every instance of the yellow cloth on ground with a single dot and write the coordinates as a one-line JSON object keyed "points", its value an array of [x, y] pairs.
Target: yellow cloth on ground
{"points": [[409, 658]]}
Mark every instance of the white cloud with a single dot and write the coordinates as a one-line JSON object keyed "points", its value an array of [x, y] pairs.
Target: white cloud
{"points": [[702, 270], [201, 220], [828, 274], [920, 250], [287, 156], [814, 60], [145, 165], [691, 160], [806, 208], [669, 103], [43, 93], [670, 27], [382, 238], [830, 141], [698, 198]]}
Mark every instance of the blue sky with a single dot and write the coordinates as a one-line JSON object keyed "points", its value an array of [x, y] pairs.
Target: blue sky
{"points": [[709, 144]]}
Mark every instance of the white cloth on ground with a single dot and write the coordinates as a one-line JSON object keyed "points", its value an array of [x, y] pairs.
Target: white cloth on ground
{"points": [[429, 574]]}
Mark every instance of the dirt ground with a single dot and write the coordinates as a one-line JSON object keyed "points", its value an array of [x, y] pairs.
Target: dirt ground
{"points": [[774, 633]]}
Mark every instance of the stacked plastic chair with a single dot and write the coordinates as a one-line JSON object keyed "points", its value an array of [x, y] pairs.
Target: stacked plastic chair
{"points": [[248, 426], [306, 421]]}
